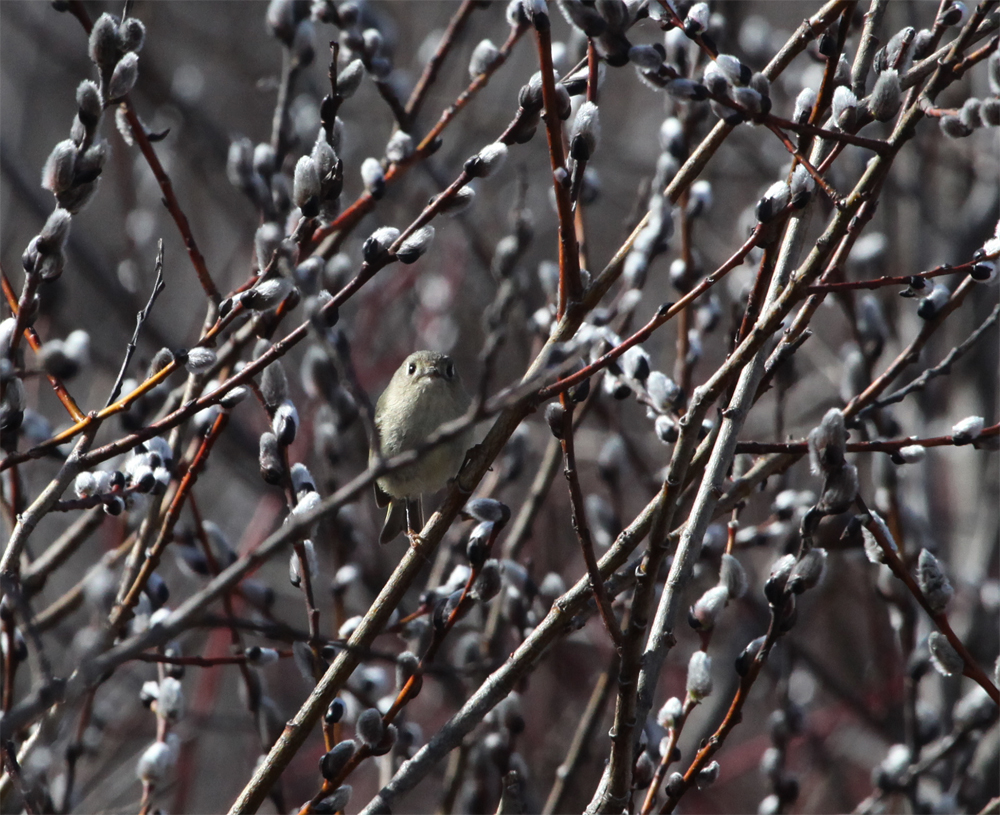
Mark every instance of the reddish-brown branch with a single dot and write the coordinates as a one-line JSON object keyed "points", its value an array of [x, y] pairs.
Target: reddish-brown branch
{"points": [[733, 717], [885, 280], [673, 735], [824, 185], [201, 662], [580, 525], [663, 314], [433, 66], [36, 345], [756, 298], [889, 446], [365, 203], [682, 370], [570, 284], [971, 668], [152, 559], [414, 683], [172, 204], [77, 9], [910, 353]]}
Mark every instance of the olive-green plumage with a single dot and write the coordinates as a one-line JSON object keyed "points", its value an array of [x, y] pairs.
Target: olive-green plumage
{"points": [[424, 393]]}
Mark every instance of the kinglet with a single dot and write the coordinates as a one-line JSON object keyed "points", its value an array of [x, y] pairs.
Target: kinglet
{"points": [[423, 394]]}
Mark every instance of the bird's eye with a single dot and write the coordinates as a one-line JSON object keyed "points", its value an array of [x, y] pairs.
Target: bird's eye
{"points": [[412, 369], [449, 370]]}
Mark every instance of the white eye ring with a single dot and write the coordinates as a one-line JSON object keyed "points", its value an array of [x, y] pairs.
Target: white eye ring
{"points": [[412, 369]]}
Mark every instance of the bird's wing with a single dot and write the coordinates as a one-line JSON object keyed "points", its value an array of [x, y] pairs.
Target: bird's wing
{"points": [[382, 498], [395, 521]]}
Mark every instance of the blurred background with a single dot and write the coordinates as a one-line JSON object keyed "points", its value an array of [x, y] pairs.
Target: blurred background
{"points": [[209, 73]]}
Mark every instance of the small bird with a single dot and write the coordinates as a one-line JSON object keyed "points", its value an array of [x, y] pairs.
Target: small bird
{"points": [[424, 393]]}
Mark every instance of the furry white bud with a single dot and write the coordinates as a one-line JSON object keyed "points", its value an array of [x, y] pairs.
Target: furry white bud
{"points": [[400, 147], [670, 712], [85, 485], [873, 551], [154, 763], [700, 198], [686, 89], [733, 576], [88, 100], [844, 107], [953, 127], [707, 775], [285, 423], [804, 104], [349, 78], [266, 294], [943, 654], [912, 453], [705, 612], [373, 177], [57, 176], [131, 34], [369, 727], [458, 201], [773, 202], [968, 429], [647, 57], [696, 21], [415, 245], [302, 479], [886, 96], [483, 58], [934, 583], [337, 800], [258, 657], [828, 443], [266, 242], [377, 244], [585, 133], [307, 503], [662, 391], [124, 76], [749, 99], [306, 186], [170, 699], [104, 41], [931, 304], [699, 676], [487, 161], [808, 571], [55, 231], [200, 360]]}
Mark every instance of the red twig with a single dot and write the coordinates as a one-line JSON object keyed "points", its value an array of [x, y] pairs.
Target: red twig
{"points": [[570, 284], [579, 517], [970, 667], [36, 345], [663, 314], [433, 66], [890, 446], [77, 9]]}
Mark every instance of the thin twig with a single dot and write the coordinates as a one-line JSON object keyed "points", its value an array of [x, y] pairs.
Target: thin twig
{"points": [[455, 27], [580, 746], [943, 367], [36, 345], [580, 524], [158, 286], [970, 667], [570, 285]]}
